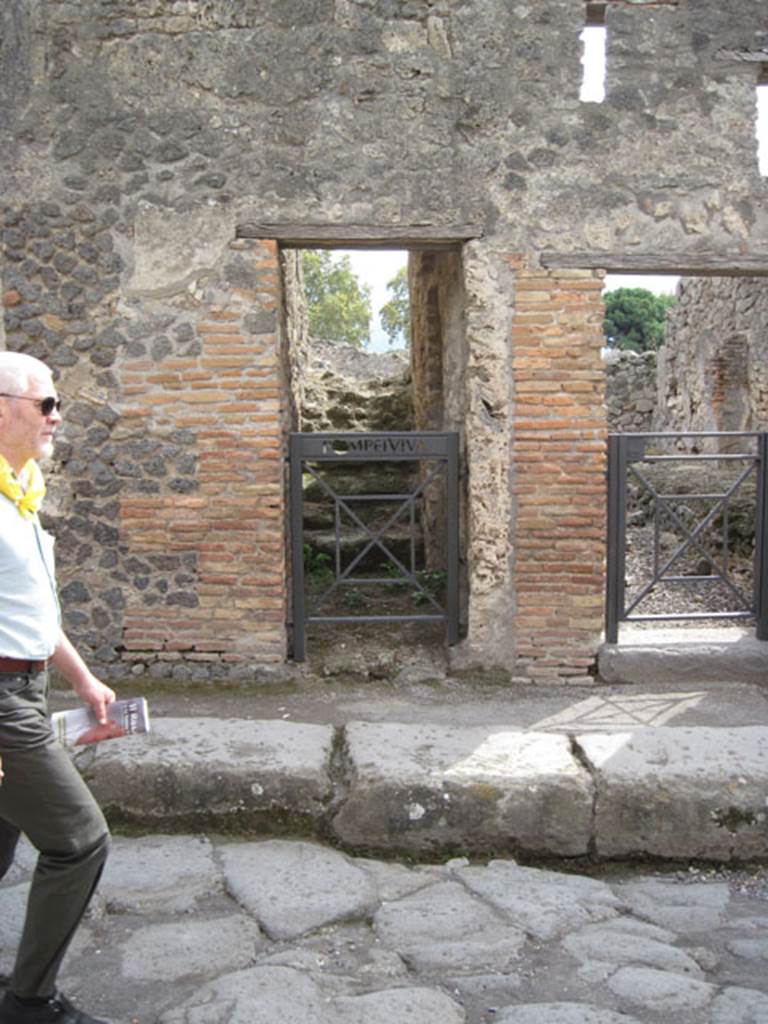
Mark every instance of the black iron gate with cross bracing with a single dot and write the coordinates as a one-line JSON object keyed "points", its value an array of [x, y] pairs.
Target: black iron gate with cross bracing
{"points": [[373, 542], [687, 529]]}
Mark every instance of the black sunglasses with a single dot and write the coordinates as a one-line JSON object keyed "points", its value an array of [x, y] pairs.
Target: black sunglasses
{"points": [[45, 405]]}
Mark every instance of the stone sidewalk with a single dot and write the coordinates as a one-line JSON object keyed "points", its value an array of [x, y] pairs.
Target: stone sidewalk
{"points": [[603, 773], [209, 930]]}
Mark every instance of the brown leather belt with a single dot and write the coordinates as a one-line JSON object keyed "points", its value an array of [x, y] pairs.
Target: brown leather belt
{"points": [[21, 666]]}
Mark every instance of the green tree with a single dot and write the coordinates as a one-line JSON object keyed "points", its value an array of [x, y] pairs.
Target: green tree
{"points": [[634, 318], [395, 315], [338, 306]]}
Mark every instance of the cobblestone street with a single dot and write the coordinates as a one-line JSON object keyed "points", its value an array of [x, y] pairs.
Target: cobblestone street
{"points": [[191, 929]]}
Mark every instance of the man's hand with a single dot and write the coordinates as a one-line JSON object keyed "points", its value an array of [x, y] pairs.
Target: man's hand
{"points": [[95, 693]]}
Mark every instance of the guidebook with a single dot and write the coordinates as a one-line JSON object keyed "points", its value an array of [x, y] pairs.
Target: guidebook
{"points": [[124, 717]]}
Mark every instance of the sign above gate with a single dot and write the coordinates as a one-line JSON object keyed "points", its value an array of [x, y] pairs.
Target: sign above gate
{"points": [[390, 445]]}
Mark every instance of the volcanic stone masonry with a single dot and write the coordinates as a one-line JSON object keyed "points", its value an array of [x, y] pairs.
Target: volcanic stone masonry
{"points": [[164, 160]]}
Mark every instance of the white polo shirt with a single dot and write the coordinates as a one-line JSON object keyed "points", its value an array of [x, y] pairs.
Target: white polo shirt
{"points": [[30, 619]]}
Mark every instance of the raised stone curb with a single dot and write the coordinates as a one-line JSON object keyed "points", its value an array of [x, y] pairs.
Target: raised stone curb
{"points": [[429, 790], [423, 788], [231, 771], [680, 792]]}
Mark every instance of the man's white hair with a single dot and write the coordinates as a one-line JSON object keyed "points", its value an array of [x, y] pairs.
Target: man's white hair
{"points": [[16, 370]]}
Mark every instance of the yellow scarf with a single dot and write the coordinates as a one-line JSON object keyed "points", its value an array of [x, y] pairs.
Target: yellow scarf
{"points": [[26, 501]]}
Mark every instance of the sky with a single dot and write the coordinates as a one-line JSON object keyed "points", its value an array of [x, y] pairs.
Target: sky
{"points": [[379, 267]]}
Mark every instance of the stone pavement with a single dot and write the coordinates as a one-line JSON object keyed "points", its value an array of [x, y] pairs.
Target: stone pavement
{"points": [[267, 904], [211, 930]]}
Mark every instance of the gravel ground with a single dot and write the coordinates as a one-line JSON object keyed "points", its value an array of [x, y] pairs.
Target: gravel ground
{"points": [[668, 503], [645, 556]]}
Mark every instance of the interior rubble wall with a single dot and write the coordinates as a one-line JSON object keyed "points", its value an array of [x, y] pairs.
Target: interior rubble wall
{"points": [[713, 367]]}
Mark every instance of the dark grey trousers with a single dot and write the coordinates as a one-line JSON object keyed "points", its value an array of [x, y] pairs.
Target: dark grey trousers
{"points": [[43, 796]]}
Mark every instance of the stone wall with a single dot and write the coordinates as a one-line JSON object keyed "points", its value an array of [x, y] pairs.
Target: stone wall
{"points": [[630, 391], [159, 154], [713, 369], [204, 553], [296, 327], [439, 369], [347, 388], [167, 494]]}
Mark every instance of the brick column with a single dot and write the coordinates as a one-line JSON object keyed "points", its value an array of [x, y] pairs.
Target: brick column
{"points": [[229, 528], [559, 471]]}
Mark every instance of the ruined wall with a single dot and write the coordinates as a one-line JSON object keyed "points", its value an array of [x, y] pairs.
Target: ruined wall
{"points": [[391, 118], [296, 327], [426, 286], [347, 388], [713, 367], [630, 391], [438, 369], [145, 139]]}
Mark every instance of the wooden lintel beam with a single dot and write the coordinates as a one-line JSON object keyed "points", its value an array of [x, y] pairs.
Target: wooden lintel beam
{"points": [[360, 236], [721, 266]]}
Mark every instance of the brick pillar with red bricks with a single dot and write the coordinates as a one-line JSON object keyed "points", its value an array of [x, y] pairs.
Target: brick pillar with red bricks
{"points": [[558, 471], [229, 529]]}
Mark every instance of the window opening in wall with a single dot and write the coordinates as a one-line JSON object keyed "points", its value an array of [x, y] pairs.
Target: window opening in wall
{"points": [[761, 127], [593, 38]]}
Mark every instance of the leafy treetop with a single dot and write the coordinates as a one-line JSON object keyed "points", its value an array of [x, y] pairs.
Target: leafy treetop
{"points": [[395, 315], [338, 306], [635, 318]]}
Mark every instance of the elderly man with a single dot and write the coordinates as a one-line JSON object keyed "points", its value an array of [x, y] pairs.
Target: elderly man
{"points": [[41, 793]]}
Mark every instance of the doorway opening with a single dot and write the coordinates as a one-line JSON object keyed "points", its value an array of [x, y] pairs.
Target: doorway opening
{"points": [[387, 380], [686, 403]]}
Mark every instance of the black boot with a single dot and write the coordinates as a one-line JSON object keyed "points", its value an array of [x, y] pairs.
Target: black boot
{"points": [[55, 1010]]}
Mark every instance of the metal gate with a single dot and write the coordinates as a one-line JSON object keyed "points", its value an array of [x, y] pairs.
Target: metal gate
{"points": [[309, 455], [690, 532]]}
